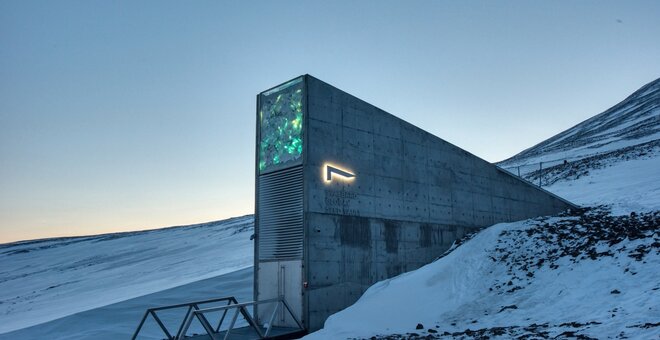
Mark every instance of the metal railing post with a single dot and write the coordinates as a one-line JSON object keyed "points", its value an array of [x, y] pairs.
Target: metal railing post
{"points": [[184, 329], [202, 319], [184, 319], [231, 325], [272, 318], [160, 323], [222, 319], [291, 313], [137, 331]]}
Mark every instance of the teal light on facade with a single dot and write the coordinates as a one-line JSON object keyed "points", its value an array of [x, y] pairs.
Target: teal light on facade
{"points": [[281, 126]]}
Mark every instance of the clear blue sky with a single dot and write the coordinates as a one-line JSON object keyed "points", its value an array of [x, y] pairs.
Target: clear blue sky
{"points": [[125, 115]]}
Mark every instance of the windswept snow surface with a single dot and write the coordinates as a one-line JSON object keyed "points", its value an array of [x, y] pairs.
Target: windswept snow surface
{"points": [[48, 279], [120, 320], [589, 274], [628, 186], [635, 120], [612, 158]]}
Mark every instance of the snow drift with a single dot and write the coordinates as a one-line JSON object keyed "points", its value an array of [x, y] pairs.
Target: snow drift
{"points": [[583, 274], [48, 279]]}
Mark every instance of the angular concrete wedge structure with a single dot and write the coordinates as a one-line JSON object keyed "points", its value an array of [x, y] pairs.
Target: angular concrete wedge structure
{"points": [[348, 194]]}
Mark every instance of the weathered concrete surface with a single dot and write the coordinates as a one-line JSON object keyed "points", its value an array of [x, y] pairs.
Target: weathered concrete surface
{"points": [[412, 196]]}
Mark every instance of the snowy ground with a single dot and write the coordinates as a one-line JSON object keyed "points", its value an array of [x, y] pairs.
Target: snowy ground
{"points": [[45, 280], [589, 275], [612, 158], [626, 186], [119, 320], [633, 121]]}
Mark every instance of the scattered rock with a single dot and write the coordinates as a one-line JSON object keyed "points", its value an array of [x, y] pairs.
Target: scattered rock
{"points": [[578, 236], [508, 307], [576, 169], [646, 325]]}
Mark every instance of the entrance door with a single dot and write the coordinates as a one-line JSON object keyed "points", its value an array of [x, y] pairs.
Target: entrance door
{"points": [[280, 279]]}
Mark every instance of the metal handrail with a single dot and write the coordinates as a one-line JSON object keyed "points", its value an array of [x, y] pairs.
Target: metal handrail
{"points": [[191, 306], [240, 308]]}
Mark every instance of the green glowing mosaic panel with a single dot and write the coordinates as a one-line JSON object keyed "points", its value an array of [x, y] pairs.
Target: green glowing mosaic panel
{"points": [[281, 126]]}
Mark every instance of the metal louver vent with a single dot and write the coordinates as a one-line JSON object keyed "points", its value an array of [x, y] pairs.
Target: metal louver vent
{"points": [[280, 230]]}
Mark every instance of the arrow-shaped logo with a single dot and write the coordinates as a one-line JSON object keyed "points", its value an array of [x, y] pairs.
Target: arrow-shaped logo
{"points": [[329, 170]]}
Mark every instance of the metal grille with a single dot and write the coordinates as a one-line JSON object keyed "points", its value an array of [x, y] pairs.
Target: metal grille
{"points": [[280, 230]]}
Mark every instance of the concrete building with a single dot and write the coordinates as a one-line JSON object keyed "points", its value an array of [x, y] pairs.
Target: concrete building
{"points": [[348, 194]]}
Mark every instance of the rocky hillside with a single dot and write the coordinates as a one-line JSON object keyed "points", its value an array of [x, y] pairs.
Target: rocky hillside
{"points": [[634, 121], [599, 160], [585, 274]]}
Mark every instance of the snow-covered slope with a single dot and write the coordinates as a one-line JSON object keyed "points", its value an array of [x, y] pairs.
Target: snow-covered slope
{"points": [[634, 121], [627, 186], [598, 160], [119, 320], [592, 273], [48, 279], [588, 274]]}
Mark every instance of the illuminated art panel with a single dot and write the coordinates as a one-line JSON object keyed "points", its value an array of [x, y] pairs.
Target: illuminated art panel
{"points": [[281, 126]]}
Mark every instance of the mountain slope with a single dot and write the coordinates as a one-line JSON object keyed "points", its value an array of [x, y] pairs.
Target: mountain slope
{"points": [[119, 320], [596, 161], [633, 121], [48, 279]]}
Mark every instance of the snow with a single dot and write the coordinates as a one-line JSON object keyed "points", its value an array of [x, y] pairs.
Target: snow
{"points": [[581, 152], [626, 186], [491, 283], [49, 279], [119, 320], [635, 120]]}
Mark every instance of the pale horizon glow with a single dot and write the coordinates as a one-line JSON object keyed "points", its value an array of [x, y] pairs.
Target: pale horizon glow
{"points": [[123, 115]]}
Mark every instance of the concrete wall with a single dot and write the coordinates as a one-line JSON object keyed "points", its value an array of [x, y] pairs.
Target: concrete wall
{"points": [[412, 196]]}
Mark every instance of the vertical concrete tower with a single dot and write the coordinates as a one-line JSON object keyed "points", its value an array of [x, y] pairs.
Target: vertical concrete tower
{"points": [[348, 194]]}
